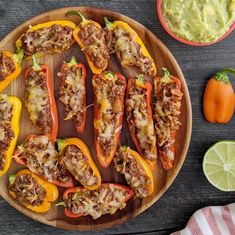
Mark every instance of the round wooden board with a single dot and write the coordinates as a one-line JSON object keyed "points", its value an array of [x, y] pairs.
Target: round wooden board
{"points": [[163, 179]]}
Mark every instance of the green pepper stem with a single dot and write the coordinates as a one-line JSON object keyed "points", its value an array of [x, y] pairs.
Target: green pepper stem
{"points": [[72, 61], [59, 143], [109, 74], [78, 13], [60, 204], [222, 75], [108, 23], [35, 65], [18, 56], [123, 148], [166, 75], [140, 78], [11, 178]]}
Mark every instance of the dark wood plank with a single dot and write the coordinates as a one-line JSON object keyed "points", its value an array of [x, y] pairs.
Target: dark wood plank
{"points": [[190, 191]]}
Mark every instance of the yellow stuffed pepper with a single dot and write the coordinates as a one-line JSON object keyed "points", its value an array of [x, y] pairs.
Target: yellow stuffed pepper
{"points": [[31, 191], [9, 67], [49, 37], [10, 109], [129, 48]]}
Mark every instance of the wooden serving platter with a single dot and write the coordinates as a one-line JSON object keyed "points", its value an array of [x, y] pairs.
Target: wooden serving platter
{"points": [[163, 179]]}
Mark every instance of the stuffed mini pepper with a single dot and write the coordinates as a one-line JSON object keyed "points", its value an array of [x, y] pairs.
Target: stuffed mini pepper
{"points": [[39, 99], [49, 37], [107, 199], [10, 109], [139, 117], [136, 171], [31, 191], [76, 158], [10, 67], [109, 91], [90, 36], [166, 106], [39, 154], [72, 78], [129, 48]]}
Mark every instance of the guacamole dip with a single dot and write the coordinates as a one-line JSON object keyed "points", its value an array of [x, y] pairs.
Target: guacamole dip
{"points": [[199, 21]]}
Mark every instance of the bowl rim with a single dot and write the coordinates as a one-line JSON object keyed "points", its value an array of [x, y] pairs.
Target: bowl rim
{"points": [[185, 41]]}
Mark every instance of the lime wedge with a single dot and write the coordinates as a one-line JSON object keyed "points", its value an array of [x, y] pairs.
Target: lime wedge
{"points": [[219, 165]]}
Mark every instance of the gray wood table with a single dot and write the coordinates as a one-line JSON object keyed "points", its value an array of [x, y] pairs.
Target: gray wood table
{"points": [[190, 191]]}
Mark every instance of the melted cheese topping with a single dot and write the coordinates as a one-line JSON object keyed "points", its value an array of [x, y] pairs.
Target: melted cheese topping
{"points": [[6, 132], [130, 52], [77, 164], [5, 108], [37, 101], [107, 199], [108, 93], [140, 124], [41, 157], [134, 174], [55, 38], [72, 92]]}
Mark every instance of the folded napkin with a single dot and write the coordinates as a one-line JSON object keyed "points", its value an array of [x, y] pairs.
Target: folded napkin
{"points": [[211, 220]]}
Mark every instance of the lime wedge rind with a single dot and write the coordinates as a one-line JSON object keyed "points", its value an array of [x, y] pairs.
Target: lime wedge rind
{"points": [[222, 153]]}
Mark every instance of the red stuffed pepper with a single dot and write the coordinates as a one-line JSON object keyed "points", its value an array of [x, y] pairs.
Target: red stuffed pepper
{"points": [[167, 103], [39, 99], [109, 92], [139, 117], [73, 92], [38, 153], [107, 199]]}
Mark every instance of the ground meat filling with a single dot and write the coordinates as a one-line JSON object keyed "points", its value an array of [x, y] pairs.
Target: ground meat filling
{"points": [[42, 158], [109, 100], [28, 191], [167, 103], [95, 45], [139, 123], [37, 100], [72, 92], [7, 66], [77, 164], [55, 38], [107, 199], [129, 51], [134, 174], [6, 132]]}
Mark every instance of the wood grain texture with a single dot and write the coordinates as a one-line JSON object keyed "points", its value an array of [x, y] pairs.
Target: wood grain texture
{"points": [[190, 191], [163, 179]]}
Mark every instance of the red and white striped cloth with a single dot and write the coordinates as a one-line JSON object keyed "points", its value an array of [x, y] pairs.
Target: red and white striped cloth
{"points": [[211, 220]]}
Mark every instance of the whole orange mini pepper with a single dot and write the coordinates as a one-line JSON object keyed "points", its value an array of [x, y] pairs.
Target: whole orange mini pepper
{"points": [[51, 191], [219, 98]]}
